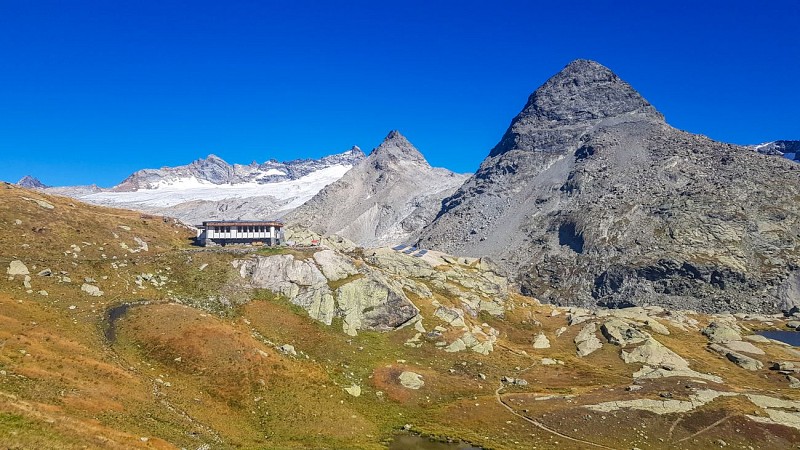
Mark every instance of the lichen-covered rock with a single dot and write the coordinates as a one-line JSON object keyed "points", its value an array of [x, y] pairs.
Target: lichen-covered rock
{"points": [[586, 341], [746, 347], [745, 362], [334, 266], [655, 354], [721, 332], [452, 316], [541, 341], [372, 304], [411, 380], [619, 332], [300, 281]]}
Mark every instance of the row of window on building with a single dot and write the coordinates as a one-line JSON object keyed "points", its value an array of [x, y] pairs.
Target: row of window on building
{"points": [[243, 229]]}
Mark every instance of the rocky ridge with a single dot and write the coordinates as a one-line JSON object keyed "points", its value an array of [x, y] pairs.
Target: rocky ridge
{"points": [[384, 199], [212, 189], [590, 199]]}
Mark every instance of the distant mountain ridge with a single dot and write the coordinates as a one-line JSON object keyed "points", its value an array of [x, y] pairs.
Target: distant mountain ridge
{"points": [[31, 183], [215, 170], [787, 149]]}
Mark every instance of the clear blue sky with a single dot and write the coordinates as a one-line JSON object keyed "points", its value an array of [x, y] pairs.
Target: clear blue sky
{"points": [[92, 91]]}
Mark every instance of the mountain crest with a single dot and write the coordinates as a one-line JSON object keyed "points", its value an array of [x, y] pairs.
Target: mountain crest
{"points": [[395, 148], [580, 96], [31, 183], [586, 90]]}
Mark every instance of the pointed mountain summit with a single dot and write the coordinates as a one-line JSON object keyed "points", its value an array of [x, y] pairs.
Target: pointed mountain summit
{"points": [[395, 148], [31, 183], [582, 95], [385, 199], [590, 198]]}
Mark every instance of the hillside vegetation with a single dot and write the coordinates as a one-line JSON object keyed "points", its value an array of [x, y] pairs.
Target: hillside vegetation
{"points": [[123, 335]]}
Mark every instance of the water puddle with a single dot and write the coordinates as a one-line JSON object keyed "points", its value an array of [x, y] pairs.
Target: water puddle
{"points": [[115, 313], [413, 442], [787, 337]]}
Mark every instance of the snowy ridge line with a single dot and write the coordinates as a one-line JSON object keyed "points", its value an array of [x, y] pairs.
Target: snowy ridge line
{"points": [[171, 193]]}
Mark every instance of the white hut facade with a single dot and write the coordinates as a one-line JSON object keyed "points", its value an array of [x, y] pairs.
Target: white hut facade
{"points": [[254, 232]]}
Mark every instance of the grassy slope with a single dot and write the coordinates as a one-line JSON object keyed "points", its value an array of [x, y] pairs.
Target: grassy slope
{"points": [[199, 364]]}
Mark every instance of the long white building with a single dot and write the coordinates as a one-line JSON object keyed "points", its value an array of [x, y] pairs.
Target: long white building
{"points": [[223, 232]]}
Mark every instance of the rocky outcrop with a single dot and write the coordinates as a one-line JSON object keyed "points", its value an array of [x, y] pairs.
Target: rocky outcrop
{"points": [[373, 304], [743, 361], [619, 332], [300, 281], [369, 302], [385, 199], [720, 332], [591, 199]]}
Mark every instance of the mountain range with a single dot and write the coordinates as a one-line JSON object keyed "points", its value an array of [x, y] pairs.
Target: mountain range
{"points": [[589, 198]]}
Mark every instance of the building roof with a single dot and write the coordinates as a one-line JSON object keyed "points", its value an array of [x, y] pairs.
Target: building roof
{"points": [[234, 223]]}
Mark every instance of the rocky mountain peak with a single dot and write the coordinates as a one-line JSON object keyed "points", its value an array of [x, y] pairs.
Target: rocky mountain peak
{"points": [[582, 95], [587, 90], [395, 148], [31, 182], [356, 150]]}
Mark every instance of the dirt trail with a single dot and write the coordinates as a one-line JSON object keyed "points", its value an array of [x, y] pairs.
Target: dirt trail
{"points": [[541, 425]]}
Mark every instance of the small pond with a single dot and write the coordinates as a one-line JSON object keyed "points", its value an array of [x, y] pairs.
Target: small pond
{"points": [[788, 337], [413, 442], [117, 312]]}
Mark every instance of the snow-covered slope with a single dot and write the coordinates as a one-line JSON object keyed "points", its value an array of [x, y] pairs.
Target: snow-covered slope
{"points": [[787, 149], [211, 189], [214, 170]]}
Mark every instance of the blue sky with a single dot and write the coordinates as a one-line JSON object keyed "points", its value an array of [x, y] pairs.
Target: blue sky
{"points": [[92, 91]]}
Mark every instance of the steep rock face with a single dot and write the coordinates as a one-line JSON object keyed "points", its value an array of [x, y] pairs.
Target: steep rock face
{"points": [[215, 170], [386, 198], [592, 199]]}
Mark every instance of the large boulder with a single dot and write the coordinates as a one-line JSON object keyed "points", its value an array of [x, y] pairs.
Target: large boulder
{"points": [[653, 353], [334, 265], [17, 267], [586, 341], [721, 332], [620, 332], [371, 303]]}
